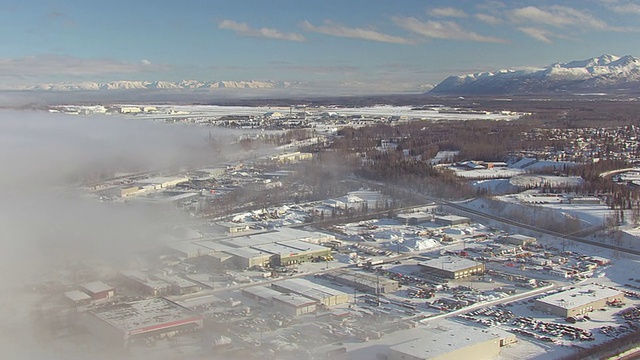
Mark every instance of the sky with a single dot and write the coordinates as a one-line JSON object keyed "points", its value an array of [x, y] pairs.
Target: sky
{"points": [[381, 45]]}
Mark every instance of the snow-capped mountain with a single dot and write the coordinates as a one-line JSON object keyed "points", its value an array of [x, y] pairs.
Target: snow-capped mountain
{"points": [[601, 74], [160, 85]]}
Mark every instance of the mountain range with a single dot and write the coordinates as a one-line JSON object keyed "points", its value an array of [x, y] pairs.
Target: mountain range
{"points": [[159, 85], [606, 73]]}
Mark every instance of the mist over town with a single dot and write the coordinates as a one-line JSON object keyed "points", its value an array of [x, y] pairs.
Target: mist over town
{"points": [[216, 180]]}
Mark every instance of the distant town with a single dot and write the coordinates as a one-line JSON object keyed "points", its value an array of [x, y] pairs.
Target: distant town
{"points": [[379, 232]]}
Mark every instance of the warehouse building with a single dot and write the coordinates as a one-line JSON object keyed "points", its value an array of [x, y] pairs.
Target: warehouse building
{"points": [[141, 282], [161, 182], [451, 220], [260, 294], [521, 240], [156, 317], [451, 267], [448, 340], [293, 252], [414, 218], [280, 235], [98, 290], [294, 305], [287, 304], [246, 258], [578, 301], [319, 293], [77, 297], [364, 282], [188, 249], [179, 285]]}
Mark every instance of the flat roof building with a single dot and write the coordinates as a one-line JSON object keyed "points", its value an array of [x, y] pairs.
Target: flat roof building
{"points": [[125, 323], [578, 301], [450, 220], [414, 218], [293, 252], [248, 257], [521, 240], [141, 282], [260, 294], [98, 290], [452, 267], [319, 293], [189, 249], [179, 285], [365, 282], [448, 340], [287, 304], [77, 297], [294, 305]]}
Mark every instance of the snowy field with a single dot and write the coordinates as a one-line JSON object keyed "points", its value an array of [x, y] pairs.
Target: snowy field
{"points": [[495, 173], [402, 111]]}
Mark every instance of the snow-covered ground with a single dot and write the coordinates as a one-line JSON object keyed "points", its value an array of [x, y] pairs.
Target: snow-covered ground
{"points": [[495, 173], [383, 110]]}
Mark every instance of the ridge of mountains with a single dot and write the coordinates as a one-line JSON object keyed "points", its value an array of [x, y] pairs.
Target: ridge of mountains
{"points": [[606, 73], [158, 85]]}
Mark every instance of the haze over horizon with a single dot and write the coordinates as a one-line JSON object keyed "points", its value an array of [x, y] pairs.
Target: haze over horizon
{"points": [[380, 46]]}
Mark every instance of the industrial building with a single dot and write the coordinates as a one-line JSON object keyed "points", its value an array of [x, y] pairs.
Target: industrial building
{"points": [[77, 297], [287, 304], [179, 285], [451, 220], [189, 249], [578, 301], [246, 258], [414, 218], [233, 227], [281, 235], [451, 267], [364, 282], [293, 252], [156, 317], [293, 157], [294, 305], [260, 294], [157, 183], [319, 293], [521, 240], [274, 248], [448, 340], [98, 290], [141, 282]]}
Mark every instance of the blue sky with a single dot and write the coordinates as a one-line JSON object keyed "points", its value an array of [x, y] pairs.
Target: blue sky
{"points": [[374, 44]]}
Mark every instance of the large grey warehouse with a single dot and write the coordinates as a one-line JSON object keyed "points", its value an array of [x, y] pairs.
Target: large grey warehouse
{"points": [[123, 324], [452, 267], [578, 301], [451, 341]]}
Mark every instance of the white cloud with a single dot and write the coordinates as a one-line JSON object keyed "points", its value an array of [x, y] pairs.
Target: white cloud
{"points": [[488, 19], [558, 16], [629, 8], [538, 34], [442, 30], [243, 29], [333, 29], [448, 12], [47, 65]]}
